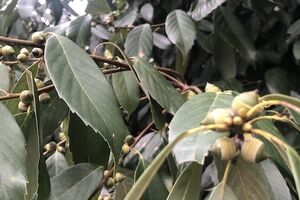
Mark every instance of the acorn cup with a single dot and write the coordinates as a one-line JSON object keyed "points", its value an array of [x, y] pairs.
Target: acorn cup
{"points": [[253, 150], [211, 88], [224, 148], [242, 103]]}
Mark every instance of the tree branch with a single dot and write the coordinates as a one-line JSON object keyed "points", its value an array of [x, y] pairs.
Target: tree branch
{"points": [[19, 42]]}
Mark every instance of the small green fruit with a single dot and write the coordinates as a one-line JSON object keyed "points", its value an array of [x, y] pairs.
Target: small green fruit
{"points": [[237, 120], [110, 182], [24, 51], [212, 88], [22, 106], [51, 146], [119, 177], [39, 83], [8, 51], [22, 57], [224, 148], [242, 103], [125, 148], [26, 96], [253, 150], [44, 98], [247, 127], [37, 52], [106, 173], [38, 38], [129, 139]]}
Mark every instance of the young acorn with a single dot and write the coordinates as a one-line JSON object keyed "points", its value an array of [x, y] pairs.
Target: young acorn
{"points": [[218, 116], [24, 51], [22, 107], [129, 139], [37, 52], [38, 38], [26, 96], [224, 148], [51, 146], [119, 177], [243, 102], [110, 182], [39, 83], [212, 88], [253, 150], [7, 51], [125, 148], [22, 57], [44, 98]]}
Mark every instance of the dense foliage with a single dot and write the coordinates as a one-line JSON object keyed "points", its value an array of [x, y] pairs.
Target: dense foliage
{"points": [[137, 99]]}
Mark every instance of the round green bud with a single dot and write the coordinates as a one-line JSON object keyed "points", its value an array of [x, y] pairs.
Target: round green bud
{"points": [[37, 52], [22, 106], [129, 139], [44, 98], [24, 51], [8, 51], [38, 38], [22, 57], [110, 182], [26, 96]]}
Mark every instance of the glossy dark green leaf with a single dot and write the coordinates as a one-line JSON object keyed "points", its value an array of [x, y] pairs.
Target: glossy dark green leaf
{"points": [[4, 77], [127, 91], [97, 7], [156, 189], [157, 115], [85, 144], [224, 57], [195, 147], [85, 89], [157, 86], [79, 30], [56, 163], [294, 161], [139, 41], [44, 180], [187, 185], [12, 157], [79, 182], [181, 31], [233, 32], [204, 7], [296, 50], [278, 188], [277, 81], [21, 85]]}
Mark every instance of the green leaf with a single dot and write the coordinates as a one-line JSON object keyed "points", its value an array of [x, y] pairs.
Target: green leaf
{"points": [[294, 161], [4, 78], [79, 182], [56, 163], [204, 7], [79, 30], [224, 58], [233, 32], [248, 181], [85, 89], [156, 189], [97, 7], [278, 188], [85, 144], [294, 30], [181, 31], [281, 97], [217, 193], [21, 85], [126, 89], [12, 158], [277, 81], [157, 115], [195, 147], [187, 184], [296, 50], [122, 188], [157, 86], [139, 42]]}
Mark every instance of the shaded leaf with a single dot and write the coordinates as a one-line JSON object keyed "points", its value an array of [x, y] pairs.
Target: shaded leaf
{"points": [[294, 161], [195, 147], [79, 30], [79, 182], [85, 144], [294, 30], [97, 7], [127, 18], [204, 7], [126, 89], [12, 157], [56, 163], [217, 193], [277, 81], [161, 41], [157, 115], [147, 12], [157, 86], [187, 184], [90, 96], [233, 32], [139, 42], [296, 50], [178, 26]]}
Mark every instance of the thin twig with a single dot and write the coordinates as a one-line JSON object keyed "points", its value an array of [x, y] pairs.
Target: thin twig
{"points": [[20, 42]]}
